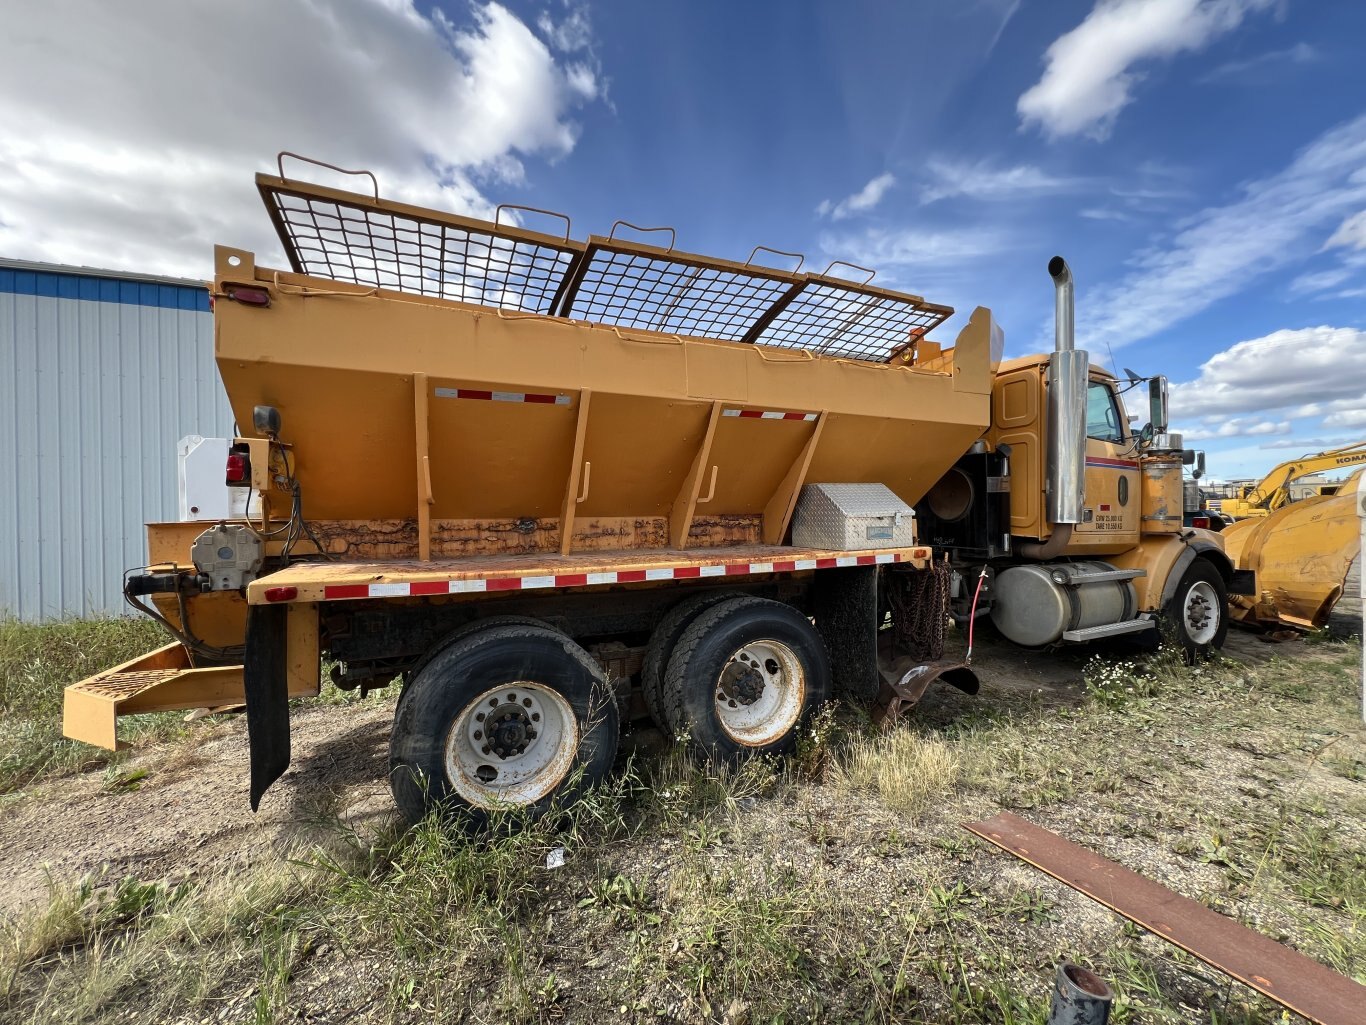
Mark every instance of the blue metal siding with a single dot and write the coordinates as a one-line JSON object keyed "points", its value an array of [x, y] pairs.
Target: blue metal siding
{"points": [[99, 379], [61, 285]]}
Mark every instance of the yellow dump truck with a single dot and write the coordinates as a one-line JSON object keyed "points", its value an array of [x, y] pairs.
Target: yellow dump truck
{"points": [[549, 483]]}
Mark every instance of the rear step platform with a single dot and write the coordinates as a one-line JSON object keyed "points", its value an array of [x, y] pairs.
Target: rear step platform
{"points": [[159, 681]]}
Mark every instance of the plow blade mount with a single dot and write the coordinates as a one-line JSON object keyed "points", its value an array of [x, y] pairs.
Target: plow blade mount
{"points": [[1301, 555], [905, 683]]}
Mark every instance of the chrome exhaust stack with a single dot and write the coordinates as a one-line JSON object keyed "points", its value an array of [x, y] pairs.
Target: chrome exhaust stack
{"points": [[1068, 374]]}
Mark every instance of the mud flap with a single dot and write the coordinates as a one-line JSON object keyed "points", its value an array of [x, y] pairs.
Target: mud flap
{"points": [[905, 681], [267, 695], [846, 616]]}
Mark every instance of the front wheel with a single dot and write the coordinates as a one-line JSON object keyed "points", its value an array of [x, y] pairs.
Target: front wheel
{"points": [[1197, 614], [510, 717]]}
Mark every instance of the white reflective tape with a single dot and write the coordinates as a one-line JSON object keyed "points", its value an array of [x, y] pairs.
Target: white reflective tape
{"points": [[601, 578], [562, 400], [730, 412], [659, 574], [809, 417], [448, 393], [531, 582], [467, 586], [886, 557], [389, 591], [509, 396], [771, 416], [712, 571], [761, 567], [846, 560], [806, 564]]}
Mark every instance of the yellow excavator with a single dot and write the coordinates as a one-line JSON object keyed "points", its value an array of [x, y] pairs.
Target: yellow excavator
{"points": [[1272, 492]]}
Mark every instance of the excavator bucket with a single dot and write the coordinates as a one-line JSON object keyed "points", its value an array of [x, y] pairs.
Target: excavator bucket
{"points": [[1301, 554]]}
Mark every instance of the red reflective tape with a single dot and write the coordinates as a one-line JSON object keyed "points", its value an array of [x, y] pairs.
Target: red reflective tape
{"points": [[737, 569], [794, 416], [504, 584], [867, 560], [471, 393], [346, 591], [683, 572], [755, 413], [529, 397], [430, 587], [630, 576], [784, 567], [826, 563], [571, 579]]}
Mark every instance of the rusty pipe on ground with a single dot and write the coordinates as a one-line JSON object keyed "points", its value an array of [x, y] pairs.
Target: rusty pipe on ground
{"points": [[1080, 997]]}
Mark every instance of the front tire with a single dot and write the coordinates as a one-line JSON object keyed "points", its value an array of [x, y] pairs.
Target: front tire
{"points": [[510, 717], [743, 677], [1196, 617]]}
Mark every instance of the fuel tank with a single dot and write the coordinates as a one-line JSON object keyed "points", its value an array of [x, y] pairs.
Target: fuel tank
{"points": [[1037, 604]]}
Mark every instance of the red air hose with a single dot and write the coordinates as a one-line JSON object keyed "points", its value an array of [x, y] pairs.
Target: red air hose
{"points": [[972, 615]]}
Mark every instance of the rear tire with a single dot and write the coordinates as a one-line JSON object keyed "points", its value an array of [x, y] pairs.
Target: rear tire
{"points": [[508, 717], [743, 677], [662, 644], [1196, 617]]}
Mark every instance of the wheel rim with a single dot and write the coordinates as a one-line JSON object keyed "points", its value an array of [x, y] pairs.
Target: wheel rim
{"points": [[1200, 612], [759, 693], [512, 745]]}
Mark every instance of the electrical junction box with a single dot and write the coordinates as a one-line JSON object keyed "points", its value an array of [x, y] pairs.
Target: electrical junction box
{"points": [[203, 491], [851, 517]]}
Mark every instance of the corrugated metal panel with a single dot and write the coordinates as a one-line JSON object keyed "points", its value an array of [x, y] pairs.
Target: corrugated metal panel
{"points": [[99, 378]]}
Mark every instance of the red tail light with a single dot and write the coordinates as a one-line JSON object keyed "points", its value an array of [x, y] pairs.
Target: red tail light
{"points": [[249, 296], [239, 468], [281, 593], [1200, 521]]}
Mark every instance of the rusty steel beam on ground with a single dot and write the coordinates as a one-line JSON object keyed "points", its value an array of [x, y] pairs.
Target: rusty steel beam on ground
{"points": [[1286, 976]]}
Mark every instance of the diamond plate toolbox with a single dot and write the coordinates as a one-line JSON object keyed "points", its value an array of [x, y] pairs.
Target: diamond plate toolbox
{"points": [[846, 517]]}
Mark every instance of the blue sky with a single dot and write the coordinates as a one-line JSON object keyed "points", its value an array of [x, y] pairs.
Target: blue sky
{"points": [[1201, 163]]}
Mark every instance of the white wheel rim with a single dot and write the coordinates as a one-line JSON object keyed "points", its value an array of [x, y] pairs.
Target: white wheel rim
{"points": [[1201, 612], [512, 745], [759, 693]]}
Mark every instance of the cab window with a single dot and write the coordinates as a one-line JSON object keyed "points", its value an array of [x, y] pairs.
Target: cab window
{"points": [[1103, 420]]}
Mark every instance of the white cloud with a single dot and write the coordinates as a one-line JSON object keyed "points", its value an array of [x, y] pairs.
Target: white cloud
{"points": [[1236, 428], [1348, 417], [130, 132], [1319, 281], [860, 202], [984, 181], [1300, 53], [1089, 79], [900, 248], [1351, 233], [1308, 444], [1301, 373], [1221, 251]]}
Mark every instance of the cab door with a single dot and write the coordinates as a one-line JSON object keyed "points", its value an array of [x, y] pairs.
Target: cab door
{"points": [[1111, 517]]}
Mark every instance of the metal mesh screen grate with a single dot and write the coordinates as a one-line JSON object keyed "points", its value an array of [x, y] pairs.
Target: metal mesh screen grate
{"points": [[637, 289], [344, 236], [489, 267], [840, 320]]}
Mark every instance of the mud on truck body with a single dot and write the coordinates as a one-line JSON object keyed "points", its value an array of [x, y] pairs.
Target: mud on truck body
{"points": [[550, 484]]}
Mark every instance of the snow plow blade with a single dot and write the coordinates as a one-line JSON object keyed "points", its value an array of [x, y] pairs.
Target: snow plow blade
{"points": [[1301, 555]]}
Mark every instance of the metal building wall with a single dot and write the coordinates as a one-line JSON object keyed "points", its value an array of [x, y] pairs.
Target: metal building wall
{"points": [[100, 376]]}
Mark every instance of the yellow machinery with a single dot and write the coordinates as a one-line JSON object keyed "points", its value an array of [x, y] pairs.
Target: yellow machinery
{"points": [[1301, 555], [1273, 491], [548, 482]]}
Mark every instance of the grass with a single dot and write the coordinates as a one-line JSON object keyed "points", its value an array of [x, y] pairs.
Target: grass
{"points": [[834, 886], [36, 662]]}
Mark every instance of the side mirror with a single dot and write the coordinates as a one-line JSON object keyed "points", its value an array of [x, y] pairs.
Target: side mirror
{"points": [[1157, 404]]}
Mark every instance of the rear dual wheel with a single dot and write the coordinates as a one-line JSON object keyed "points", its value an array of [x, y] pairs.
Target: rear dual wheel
{"points": [[742, 677], [511, 716]]}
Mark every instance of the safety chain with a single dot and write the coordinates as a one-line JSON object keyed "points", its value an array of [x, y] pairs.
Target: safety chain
{"points": [[919, 601]]}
